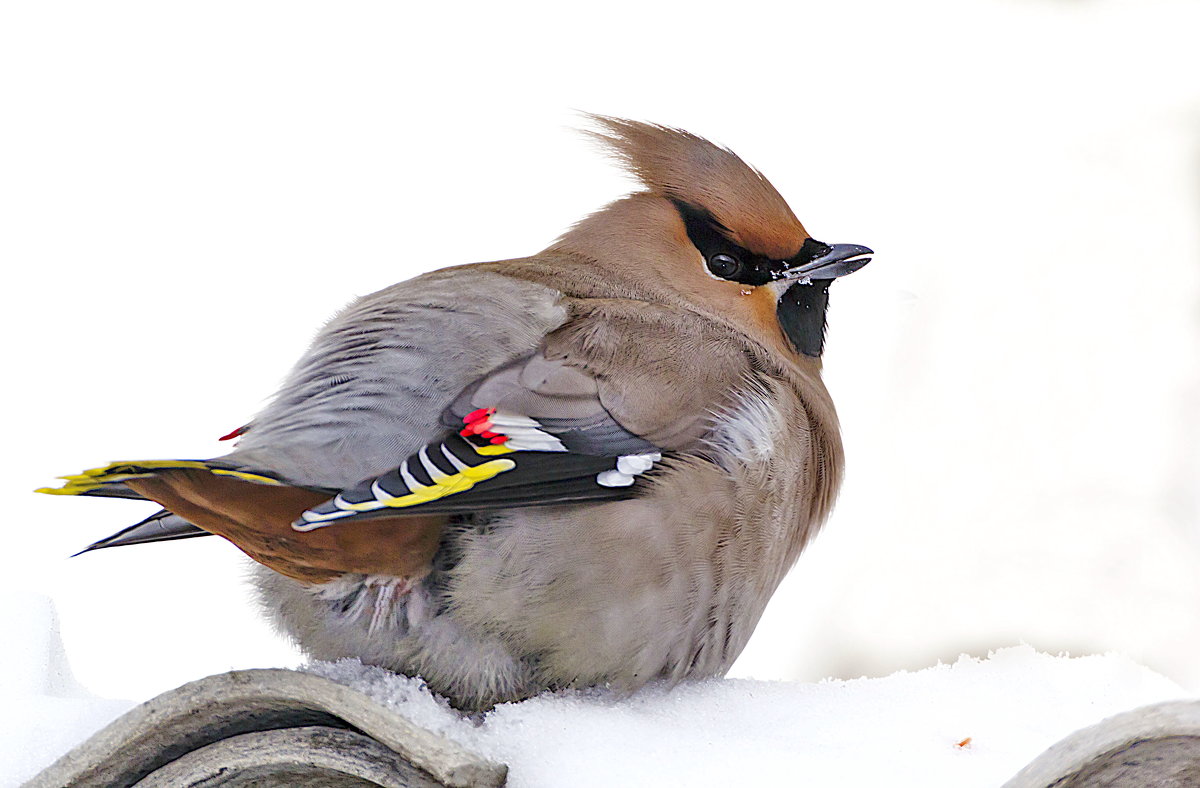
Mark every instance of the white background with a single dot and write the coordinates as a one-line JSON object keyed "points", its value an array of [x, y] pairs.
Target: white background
{"points": [[188, 190]]}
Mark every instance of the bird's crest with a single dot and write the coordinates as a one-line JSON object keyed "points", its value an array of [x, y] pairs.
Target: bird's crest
{"points": [[682, 166]]}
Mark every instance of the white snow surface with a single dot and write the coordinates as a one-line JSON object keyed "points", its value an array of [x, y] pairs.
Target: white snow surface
{"points": [[905, 729], [1016, 374], [47, 711]]}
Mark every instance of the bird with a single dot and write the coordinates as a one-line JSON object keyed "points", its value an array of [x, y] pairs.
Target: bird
{"points": [[588, 467]]}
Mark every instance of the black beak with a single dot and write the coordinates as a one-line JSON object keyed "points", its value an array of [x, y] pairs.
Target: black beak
{"points": [[822, 261]]}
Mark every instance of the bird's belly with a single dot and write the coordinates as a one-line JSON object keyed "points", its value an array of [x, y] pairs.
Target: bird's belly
{"points": [[666, 586], [659, 587]]}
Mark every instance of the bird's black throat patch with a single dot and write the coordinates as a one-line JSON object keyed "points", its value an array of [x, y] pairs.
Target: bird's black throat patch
{"points": [[801, 313], [801, 309]]}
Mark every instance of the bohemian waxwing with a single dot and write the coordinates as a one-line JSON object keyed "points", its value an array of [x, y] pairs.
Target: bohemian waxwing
{"points": [[589, 466]]}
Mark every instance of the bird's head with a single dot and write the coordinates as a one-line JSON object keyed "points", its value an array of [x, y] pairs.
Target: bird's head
{"points": [[712, 231]]}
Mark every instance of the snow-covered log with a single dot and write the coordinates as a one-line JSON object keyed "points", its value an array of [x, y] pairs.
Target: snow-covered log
{"points": [[264, 728]]}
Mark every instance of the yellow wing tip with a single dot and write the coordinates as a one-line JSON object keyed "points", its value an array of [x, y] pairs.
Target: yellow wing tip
{"points": [[492, 450]]}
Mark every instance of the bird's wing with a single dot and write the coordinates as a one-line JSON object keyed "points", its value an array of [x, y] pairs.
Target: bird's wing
{"points": [[372, 387], [582, 416], [665, 374], [584, 419], [531, 433]]}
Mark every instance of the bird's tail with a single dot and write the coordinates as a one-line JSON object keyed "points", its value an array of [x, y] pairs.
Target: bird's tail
{"points": [[109, 480], [162, 526], [255, 510]]}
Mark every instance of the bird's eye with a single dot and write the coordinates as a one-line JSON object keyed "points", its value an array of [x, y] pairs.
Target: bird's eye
{"points": [[724, 266]]}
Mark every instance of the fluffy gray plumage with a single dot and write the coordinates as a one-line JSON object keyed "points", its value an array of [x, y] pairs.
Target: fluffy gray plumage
{"points": [[653, 328], [666, 586]]}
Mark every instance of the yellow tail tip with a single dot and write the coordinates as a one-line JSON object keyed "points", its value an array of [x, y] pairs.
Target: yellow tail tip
{"points": [[120, 472], [65, 490]]}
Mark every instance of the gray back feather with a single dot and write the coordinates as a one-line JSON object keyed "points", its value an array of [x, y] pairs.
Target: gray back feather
{"points": [[373, 385]]}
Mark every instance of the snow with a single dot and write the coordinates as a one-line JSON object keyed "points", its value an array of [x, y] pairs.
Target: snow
{"points": [[48, 711], [1018, 398], [905, 729]]}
